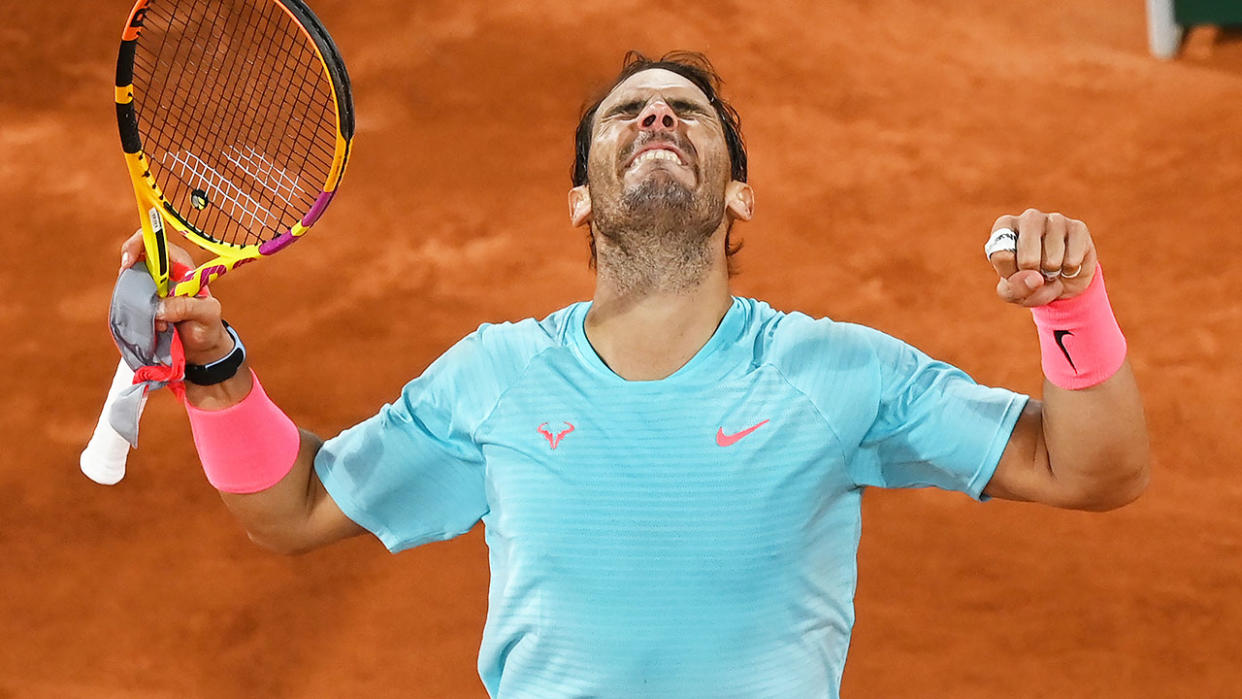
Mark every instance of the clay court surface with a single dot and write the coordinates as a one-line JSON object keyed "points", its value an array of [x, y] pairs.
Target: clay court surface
{"points": [[885, 136]]}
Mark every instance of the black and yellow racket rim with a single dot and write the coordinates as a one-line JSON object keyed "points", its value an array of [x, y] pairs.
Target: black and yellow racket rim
{"points": [[236, 119]]}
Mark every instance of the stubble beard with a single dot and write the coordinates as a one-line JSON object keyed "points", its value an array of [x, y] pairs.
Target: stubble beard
{"points": [[656, 236]]}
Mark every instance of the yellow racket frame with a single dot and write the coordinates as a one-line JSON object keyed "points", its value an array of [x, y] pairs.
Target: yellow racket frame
{"points": [[157, 213]]}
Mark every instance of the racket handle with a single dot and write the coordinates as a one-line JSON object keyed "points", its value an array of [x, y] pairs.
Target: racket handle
{"points": [[103, 459]]}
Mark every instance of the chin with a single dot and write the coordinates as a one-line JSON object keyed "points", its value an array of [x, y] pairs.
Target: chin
{"points": [[661, 187]]}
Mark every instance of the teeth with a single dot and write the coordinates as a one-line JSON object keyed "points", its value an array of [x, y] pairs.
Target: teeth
{"points": [[657, 154]]}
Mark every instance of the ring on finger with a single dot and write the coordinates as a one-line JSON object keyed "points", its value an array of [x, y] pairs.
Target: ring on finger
{"points": [[1077, 271], [1050, 274], [1001, 240]]}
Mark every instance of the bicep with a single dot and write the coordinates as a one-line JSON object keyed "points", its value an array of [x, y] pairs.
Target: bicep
{"points": [[325, 522], [1084, 449], [1023, 472], [296, 514]]}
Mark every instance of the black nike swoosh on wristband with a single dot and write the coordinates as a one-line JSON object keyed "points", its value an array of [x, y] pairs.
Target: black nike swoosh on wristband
{"points": [[1059, 336]]}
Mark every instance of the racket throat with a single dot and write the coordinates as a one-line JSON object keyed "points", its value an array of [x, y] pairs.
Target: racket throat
{"points": [[156, 246]]}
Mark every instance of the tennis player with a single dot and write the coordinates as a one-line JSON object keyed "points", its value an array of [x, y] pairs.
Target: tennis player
{"points": [[670, 476]]}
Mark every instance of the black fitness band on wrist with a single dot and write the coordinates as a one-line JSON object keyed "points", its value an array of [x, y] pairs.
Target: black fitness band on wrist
{"points": [[222, 369]]}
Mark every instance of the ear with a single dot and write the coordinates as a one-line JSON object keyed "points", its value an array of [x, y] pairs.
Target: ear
{"points": [[740, 200], [580, 205]]}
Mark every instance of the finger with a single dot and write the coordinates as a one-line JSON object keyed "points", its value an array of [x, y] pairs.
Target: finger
{"points": [[1055, 232], [134, 249], [179, 255], [1030, 238], [131, 251], [1004, 262], [1077, 245], [1029, 289], [1020, 286], [1046, 294]]}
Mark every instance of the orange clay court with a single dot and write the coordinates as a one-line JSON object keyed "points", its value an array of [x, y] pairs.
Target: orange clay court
{"points": [[885, 136]]}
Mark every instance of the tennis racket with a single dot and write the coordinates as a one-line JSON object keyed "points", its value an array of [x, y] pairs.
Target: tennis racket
{"points": [[236, 122]]}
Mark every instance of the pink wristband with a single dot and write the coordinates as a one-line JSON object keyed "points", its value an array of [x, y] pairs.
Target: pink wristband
{"points": [[246, 447], [1080, 342]]}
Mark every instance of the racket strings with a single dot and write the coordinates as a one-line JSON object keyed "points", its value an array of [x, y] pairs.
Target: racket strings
{"points": [[236, 115]]}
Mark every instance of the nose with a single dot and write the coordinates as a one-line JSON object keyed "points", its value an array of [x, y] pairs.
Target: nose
{"points": [[657, 116]]}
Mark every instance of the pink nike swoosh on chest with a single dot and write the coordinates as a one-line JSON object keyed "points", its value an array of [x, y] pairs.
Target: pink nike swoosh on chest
{"points": [[728, 440]]}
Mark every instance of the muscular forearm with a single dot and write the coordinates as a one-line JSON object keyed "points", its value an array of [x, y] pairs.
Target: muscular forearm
{"points": [[1096, 442], [280, 515], [280, 518]]}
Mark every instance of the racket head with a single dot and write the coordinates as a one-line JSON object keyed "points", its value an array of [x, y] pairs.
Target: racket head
{"points": [[236, 118]]}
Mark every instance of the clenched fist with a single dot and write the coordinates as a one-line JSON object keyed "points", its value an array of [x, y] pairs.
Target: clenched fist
{"points": [[1046, 257]]}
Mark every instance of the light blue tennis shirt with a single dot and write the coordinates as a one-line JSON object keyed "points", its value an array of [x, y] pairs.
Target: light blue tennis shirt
{"points": [[694, 536]]}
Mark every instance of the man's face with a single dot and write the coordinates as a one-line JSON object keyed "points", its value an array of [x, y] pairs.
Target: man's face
{"points": [[657, 140], [659, 184]]}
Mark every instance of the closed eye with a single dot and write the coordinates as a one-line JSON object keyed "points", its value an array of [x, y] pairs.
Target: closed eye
{"points": [[682, 107], [627, 109], [685, 107]]}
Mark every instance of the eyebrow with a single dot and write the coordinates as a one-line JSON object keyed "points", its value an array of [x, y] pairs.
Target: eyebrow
{"points": [[628, 105], [685, 105], [679, 104]]}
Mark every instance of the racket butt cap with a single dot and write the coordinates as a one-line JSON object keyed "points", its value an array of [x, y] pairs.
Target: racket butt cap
{"points": [[101, 473]]}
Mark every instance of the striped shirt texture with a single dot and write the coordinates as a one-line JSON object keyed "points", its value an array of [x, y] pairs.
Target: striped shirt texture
{"points": [[694, 536]]}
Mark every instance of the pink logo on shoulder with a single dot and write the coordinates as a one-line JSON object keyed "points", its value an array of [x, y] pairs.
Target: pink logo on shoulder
{"points": [[554, 439]]}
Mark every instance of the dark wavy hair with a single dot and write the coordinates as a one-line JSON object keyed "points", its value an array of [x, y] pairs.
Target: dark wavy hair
{"points": [[692, 66]]}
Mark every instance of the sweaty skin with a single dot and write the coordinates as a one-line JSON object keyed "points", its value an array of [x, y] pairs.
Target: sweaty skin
{"points": [[663, 287], [655, 194], [663, 282]]}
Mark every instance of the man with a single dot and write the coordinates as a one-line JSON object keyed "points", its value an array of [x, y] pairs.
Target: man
{"points": [[670, 477]]}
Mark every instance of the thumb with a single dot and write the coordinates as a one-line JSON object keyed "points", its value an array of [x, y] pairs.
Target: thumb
{"points": [[180, 309], [198, 323], [1019, 286]]}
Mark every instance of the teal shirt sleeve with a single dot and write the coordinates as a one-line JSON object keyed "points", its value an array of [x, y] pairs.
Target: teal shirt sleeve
{"points": [[413, 473], [903, 420], [933, 424]]}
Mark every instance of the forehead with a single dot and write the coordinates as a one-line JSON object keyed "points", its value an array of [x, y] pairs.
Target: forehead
{"points": [[654, 82]]}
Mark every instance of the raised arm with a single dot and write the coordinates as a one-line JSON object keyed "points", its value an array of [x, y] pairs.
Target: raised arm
{"points": [[1085, 445], [290, 515]]}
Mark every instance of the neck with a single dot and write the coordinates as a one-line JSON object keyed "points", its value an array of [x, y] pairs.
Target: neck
{"points": [[648, 331]]}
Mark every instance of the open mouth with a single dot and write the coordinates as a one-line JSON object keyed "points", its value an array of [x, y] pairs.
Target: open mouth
{"points": [[656, 154]]}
